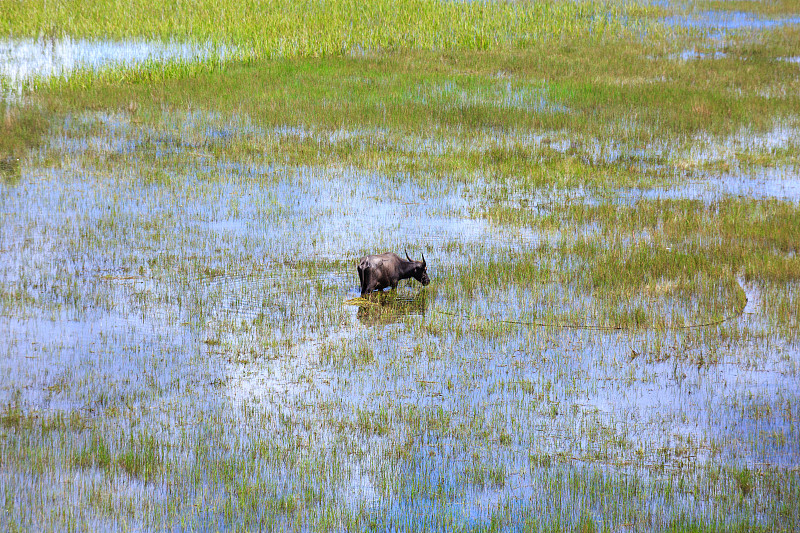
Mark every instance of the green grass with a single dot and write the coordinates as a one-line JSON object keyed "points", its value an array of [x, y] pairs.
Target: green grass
{"points": [[648, 255], [423, 90], [282, 28], [560, 87], [756, 236]]}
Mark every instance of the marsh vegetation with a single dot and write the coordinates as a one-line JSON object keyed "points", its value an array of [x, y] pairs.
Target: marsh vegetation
{"points": [[608, 201]]}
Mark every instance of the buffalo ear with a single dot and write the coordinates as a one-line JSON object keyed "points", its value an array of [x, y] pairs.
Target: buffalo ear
{"points": [[409, 259], [423, 261]]}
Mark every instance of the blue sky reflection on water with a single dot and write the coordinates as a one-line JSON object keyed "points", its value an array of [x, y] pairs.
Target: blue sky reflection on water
{"points": [[723, 21], [23, 60]]}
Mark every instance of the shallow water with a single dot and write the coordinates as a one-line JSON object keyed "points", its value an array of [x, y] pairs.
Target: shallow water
{"points": [[778, 183], [208, 307], [24, 60], [730, 20]]}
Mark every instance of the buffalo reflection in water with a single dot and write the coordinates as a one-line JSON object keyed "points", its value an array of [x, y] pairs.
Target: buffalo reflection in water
{"points": [[388, 308]]}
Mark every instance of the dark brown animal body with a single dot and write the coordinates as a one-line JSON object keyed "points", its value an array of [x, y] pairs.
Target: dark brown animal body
{"points": [[376, 272]]}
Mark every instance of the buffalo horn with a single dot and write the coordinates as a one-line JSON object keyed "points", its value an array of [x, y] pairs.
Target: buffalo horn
{"points": [[409, 259]]}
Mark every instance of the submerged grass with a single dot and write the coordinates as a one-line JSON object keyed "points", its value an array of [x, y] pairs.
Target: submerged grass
{"points": [[651, 255], [740, 232], [20, 129]]}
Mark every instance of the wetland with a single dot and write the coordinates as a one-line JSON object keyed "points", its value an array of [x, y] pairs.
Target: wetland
{"points": [[607, 194]]}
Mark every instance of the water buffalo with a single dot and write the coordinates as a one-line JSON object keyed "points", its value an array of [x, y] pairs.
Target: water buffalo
{"points": [[385, 270]]}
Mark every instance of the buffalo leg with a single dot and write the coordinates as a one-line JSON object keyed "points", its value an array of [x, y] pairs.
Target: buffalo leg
{"points": [[361, 278], [367, 286]]}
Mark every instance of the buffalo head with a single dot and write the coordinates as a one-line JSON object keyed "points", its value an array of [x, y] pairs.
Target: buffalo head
{"points": [[420, 272]]}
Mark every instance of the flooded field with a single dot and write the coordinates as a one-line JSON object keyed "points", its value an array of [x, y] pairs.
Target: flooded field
{"points": [[609, 341]]}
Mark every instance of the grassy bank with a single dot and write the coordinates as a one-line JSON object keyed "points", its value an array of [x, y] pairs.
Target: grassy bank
{"points": [[635, 120], [282, 28]]}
